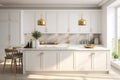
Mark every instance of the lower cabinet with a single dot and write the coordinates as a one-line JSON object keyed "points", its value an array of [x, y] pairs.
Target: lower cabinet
{"points": [[92, 60], [40, 60], [66, 60], [32, 61], [100, 61], [83, 61], [49, 60]]}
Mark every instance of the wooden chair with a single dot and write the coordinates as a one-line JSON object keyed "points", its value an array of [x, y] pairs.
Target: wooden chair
{"points": [[13, 55]]}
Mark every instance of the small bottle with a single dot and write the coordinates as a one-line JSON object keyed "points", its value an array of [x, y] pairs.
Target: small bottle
{"points": [[96, 41], [30, 45]]}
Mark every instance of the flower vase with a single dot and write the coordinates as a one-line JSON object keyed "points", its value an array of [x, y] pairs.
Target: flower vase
{"points": [[36, 43]]}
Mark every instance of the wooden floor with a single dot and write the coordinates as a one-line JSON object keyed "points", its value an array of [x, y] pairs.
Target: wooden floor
{"points": [[9, 75]]}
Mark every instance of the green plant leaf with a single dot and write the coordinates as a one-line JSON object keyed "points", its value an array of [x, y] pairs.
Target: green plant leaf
{"points": [[36, 34]]}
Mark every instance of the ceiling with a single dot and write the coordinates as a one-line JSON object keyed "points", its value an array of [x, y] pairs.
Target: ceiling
{"points": [[49, 3]]}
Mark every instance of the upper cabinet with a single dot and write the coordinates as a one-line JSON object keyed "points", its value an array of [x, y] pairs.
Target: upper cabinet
{"points": [[4, 16], [51, 22], [96, 21], [61, 21], [38, 15], [28, 21], [74, 17]]}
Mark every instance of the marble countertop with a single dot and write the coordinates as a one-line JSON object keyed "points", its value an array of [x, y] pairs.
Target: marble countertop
{"points": [[65, 47]]}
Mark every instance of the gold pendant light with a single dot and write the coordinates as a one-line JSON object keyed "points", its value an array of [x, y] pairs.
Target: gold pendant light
{"points": [[82, 21], [41, 21]]}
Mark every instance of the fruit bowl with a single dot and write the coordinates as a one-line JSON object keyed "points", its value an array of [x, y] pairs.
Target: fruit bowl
{"points": [[89, 46]]}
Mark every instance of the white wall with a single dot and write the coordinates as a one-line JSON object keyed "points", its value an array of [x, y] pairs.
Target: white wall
{"points": [[108, 23]]}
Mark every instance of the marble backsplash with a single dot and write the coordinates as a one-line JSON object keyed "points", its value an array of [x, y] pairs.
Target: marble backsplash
{"points": [[65, 38]]}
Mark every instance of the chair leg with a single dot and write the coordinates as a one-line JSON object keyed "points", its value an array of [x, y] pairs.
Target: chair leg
{"points": [[19, 62], [4, 65], [15, 66], [22, 62], [11, 63]]}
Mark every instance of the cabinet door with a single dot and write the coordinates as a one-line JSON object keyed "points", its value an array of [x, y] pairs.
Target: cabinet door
{"points": [[4, 38], [49, 60], [28, 21], [51, 22], [83, 61], [100, 61], [14, 15], [74, 18], [96, 22], [32, 61], [14, 20], [66, 61], [62, 22], [3, 16]]}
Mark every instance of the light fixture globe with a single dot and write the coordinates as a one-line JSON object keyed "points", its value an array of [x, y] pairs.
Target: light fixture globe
{"points": [[81, 21], [41, 22]]}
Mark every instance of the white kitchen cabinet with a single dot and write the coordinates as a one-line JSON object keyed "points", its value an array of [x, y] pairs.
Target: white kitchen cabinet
{"points": [[4, 41], [100, 61], [51, 24], [96, 21], [4, 33], [74, 17], [4, 15], [41, 60], [15, 34], [38, 15], [28, 21], [14, 16], [49, 60], [15, 28], [92, 60], [66, 60], [83, 61], [10, 29], [32, 60], [62, 22]]}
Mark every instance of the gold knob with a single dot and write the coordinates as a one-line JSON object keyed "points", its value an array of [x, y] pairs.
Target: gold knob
{"points": [[41, 53], [92, 54]]}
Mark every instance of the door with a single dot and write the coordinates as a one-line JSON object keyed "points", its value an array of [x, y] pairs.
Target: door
{"points": [[83, 61], [62, 22], [28, 21], [51, 25], [66, 61], [32, 60], [100, 60], [49, 60], [14, 20]]}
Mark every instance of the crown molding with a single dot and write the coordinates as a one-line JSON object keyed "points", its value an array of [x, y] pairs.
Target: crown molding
{"points": [[103, 2], [52, 6]]}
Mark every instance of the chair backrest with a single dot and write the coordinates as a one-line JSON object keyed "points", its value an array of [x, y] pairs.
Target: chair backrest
{"points": [[10, 51]]}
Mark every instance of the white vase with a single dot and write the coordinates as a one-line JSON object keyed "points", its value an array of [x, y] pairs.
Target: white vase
{"points": [[36, 43]]}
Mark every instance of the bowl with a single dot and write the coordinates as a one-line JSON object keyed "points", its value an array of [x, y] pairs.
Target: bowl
{"points": [[89, 46]]}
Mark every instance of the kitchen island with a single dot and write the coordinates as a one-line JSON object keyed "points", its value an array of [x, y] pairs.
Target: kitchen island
{"points": [[63, 57]]}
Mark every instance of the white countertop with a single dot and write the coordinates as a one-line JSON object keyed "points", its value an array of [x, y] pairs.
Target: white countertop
{"points": [[65, 47]]}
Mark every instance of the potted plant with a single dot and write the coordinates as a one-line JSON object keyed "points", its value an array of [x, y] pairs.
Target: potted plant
{"points": [[115, 55], [36, 35]]}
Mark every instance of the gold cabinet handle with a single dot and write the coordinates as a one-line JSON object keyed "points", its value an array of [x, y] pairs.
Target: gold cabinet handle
{"points": [[41, 53], [92, 54]]}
